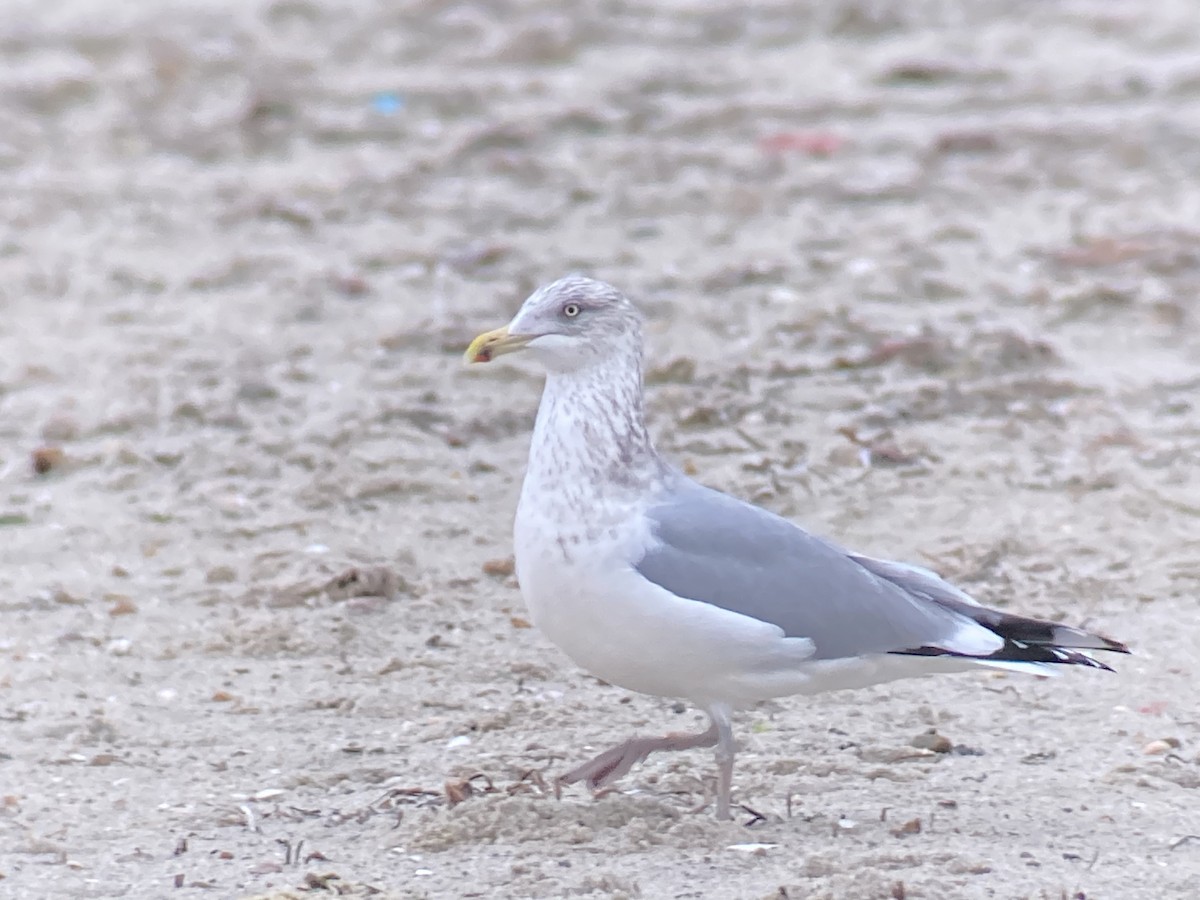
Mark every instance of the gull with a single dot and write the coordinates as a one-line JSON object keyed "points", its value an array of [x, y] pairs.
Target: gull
{"points": [[653, 582]]}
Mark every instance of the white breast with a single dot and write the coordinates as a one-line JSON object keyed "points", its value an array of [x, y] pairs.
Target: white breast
{"points": [[588, 599]]}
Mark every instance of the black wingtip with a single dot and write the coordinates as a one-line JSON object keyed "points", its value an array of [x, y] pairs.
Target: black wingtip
{"points": [[1021, 652], [1073, 658]]}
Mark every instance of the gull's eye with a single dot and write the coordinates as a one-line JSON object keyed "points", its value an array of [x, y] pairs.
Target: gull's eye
{"points": [[570, 310]]}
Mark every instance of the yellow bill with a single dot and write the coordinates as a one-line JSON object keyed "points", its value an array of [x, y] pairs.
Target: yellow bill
{"points": [[491, 344]]}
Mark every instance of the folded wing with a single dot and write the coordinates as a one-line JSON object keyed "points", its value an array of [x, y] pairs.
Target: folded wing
{"points": [[715, 549]]}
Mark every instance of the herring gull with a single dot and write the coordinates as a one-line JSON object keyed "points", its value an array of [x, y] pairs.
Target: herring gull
{"points": [[655, 583]]}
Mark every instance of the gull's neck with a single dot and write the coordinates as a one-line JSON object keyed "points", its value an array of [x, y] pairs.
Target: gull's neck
{"points": [[591, 435]]}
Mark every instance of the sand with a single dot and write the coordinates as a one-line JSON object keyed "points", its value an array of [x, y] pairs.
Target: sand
{"points": [[923, 276]]}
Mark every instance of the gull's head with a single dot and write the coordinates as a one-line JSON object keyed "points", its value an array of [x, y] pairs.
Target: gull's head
{"points": [[570, 324]]}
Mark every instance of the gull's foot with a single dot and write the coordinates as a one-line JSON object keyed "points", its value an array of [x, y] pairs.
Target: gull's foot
{"points": [[609, 765], [612, 764]]}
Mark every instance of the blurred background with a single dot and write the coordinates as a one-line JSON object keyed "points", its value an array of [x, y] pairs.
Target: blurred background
{"points": [[923, 275]]}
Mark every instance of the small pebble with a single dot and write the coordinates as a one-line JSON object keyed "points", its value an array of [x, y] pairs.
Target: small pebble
{"points": [[47, 458], [931, 740], [499, 568], [121, 605], [1159, 747], [66, 598]]}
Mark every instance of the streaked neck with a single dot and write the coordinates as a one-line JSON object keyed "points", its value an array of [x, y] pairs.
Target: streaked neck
{"points": [[591, 430]]}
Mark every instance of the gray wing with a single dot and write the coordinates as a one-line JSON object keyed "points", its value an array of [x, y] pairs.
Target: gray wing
{"points": [[716, 549]]}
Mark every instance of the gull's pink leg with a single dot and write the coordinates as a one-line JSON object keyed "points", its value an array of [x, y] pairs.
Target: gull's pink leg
{"points": [[612, 764], [722, 725]]}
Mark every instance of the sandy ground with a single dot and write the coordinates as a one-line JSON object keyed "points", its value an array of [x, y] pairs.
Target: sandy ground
{"points": [[921, 275]]}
